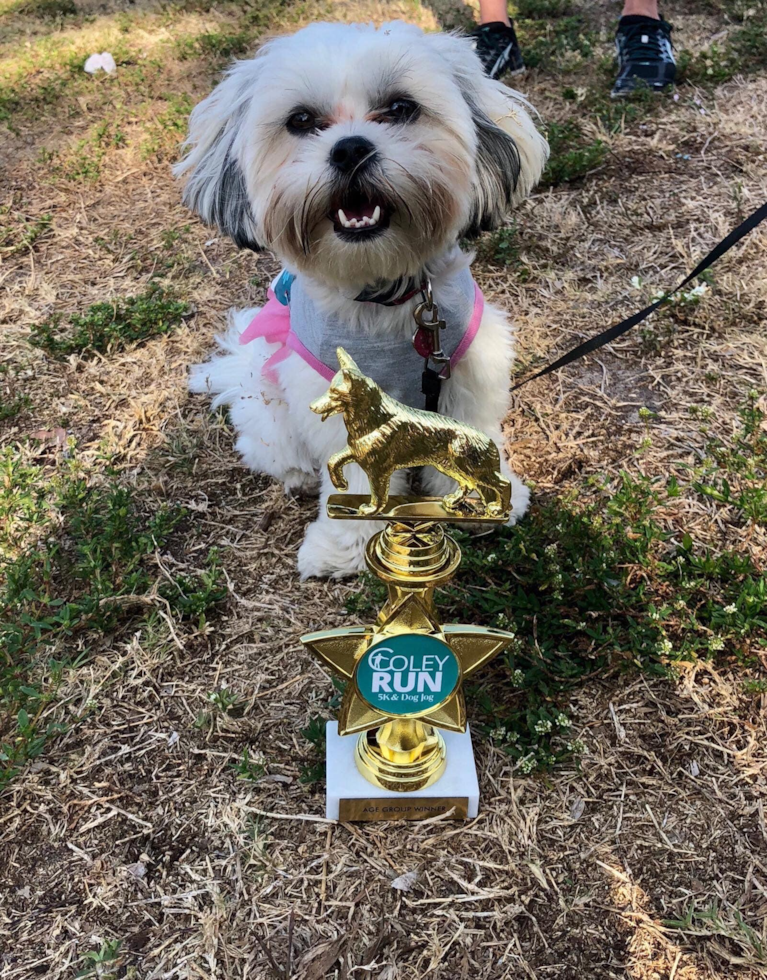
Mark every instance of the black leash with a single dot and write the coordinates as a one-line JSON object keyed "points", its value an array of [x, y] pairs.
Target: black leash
{"points": [[606, 336]]}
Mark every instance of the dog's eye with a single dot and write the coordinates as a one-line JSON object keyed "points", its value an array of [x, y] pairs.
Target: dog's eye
{"points": [[401, 110], [302, 121]]}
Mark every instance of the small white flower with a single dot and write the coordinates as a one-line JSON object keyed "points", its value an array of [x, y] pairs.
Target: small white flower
{"points": [[665, 646], [562, 720], [543, 726], [716, 643], [732, 608], [636, 282], [518, 678]]}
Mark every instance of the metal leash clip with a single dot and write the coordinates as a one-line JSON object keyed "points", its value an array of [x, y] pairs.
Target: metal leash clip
{"points": [[426, 339]]}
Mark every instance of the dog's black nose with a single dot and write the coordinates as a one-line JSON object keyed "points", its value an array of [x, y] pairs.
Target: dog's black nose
{"points": [[352, 152]]}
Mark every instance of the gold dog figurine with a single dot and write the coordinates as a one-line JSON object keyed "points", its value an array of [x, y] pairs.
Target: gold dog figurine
{"points": [[385, 435]]}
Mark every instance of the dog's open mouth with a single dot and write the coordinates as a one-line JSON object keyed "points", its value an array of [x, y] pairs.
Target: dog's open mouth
{"points": [[356, 218]]}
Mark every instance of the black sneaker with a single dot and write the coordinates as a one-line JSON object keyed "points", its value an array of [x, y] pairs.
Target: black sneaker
{"points": [[498, 49], [645, 57]]}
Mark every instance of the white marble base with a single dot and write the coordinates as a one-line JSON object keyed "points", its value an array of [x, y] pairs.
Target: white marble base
{"points": [[345, 782]]}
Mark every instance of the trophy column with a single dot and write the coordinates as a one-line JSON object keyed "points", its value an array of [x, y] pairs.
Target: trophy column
{"points": [[413, 559]]}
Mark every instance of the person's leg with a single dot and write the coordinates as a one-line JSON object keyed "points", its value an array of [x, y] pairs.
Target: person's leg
{"points": [[495, 40], [641, 8], [643, 47], [493, 12]]}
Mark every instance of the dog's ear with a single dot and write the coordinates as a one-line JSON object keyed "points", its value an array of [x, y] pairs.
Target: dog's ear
{"points": [[215, 187], [511, 153], [346, 361]]}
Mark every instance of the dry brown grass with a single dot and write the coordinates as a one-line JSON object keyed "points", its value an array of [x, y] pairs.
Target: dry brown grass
{"points": [[133, 826]]}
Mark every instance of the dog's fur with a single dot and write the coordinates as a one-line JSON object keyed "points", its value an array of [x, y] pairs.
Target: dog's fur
{"points": [[454, 168], [386, 436]]}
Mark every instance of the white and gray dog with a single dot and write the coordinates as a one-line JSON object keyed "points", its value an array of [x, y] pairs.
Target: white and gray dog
{"points": [[360, 156]]}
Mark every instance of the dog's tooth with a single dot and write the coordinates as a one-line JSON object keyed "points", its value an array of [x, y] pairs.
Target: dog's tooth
{"points": [[343, 219], [376, 215], [353, 223]]}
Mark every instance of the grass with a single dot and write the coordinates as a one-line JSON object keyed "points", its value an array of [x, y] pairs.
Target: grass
{"points": [[248, 768], [20, 234], [168, 128], [573, 155], [503, 248], [76, 557], [11, 407], [542, 9], [313, 771], [108, 327], [556, 42], [744, 51], [48, 9], [723, 922], [84, 162]]}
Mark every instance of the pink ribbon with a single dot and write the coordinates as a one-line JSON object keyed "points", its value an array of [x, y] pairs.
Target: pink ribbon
{"points": [[272, 323]]}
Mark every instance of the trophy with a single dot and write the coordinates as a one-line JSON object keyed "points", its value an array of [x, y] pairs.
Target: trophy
{"points": [[401, 748]]}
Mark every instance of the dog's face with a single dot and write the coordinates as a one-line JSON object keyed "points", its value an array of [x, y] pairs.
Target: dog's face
{"points": [[357, 153]]}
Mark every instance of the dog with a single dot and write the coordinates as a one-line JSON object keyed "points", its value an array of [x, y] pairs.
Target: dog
{"points": [[384, 436], [361, 156]]}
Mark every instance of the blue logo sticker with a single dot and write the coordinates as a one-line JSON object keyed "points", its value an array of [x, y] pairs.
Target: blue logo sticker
{"points": [[410, 673]]}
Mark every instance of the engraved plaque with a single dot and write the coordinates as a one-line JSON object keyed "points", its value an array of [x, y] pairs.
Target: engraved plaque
{"points": [[397, 808]]}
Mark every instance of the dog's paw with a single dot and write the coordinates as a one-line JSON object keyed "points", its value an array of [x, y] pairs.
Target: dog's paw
{"points": [[328, 552], [520, 500], [299, 483]]}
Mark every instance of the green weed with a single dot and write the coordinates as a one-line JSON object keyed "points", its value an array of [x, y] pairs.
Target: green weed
{"points": [[573, 155], [10, 408], [314, 771], [248, 768], [107, 327], [101, 963], [502, 248], [23, 233], [12, 401], [226, 702], [724, 922], [735, 474]]}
